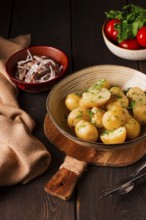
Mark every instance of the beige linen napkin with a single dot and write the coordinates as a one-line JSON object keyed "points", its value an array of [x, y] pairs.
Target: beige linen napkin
{"points": [[22, 156]]}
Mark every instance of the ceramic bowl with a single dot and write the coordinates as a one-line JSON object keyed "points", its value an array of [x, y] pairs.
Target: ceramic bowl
{"points": [[56, 54], [121, 52], [78, 82]]}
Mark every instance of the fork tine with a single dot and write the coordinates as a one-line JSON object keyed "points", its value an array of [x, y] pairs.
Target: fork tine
{"points": [[115, 189], [123, 187], [120, 190], [126, 189], [109, 192]]}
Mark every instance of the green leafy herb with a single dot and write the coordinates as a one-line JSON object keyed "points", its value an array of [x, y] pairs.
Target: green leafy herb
{"points": [[119, 96], [126, 90], [132, 105], [132, 18], [99, 84], [90, 114], [80, 115], [107, 132]]}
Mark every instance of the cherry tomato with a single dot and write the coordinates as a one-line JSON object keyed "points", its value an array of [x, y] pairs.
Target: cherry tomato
{"points": [[110, 30], [131, 44], [141, 36]]}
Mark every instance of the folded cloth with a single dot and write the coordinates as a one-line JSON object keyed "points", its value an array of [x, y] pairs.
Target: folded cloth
{"points": [[22, 156], [8, 47]]}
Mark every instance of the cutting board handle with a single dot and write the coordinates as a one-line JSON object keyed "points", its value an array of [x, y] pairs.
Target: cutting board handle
{"points": [[64, 181]]}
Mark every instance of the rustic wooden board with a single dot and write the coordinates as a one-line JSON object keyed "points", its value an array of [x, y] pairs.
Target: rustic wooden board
{"points": [[63, 182]]}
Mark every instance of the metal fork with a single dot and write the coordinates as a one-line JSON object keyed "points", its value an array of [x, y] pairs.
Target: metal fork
{"points": [[127, 184]]}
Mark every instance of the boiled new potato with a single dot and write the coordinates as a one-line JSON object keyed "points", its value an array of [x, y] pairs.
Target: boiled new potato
{"points": [[113, 118], [82, 104], [136, 95], [132, 128], [96, 116], [86, 131], [126, 114], [102, 83], [115, 136], [107, 112], [95, 98], [76, 115], [139, 113], [117, 97], [72, 101]]}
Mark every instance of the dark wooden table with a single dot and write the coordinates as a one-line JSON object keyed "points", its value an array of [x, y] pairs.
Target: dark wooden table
{"points": [[73, 26]]}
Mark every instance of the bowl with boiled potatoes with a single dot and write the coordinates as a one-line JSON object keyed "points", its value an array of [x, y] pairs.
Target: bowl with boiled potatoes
{"points": [[103, 107]]}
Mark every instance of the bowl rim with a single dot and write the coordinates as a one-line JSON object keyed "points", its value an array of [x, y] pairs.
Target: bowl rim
{"points": [[37, 83], [99, 145]]}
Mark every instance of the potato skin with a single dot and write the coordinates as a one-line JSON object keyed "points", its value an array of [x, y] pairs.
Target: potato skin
{"points": [[113, 118], [86, 131], [76, 115], [96, 117], [132, 128], [115, 136], [72, 101], [139, 113], [137, 95], [117, 97]]}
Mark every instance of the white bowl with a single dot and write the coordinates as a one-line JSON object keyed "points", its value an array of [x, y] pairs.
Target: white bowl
{"points": [[123, 77], [121, 52]]}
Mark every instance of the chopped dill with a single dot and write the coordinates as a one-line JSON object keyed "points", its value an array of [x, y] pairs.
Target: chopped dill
{"points": [[132, 105]]}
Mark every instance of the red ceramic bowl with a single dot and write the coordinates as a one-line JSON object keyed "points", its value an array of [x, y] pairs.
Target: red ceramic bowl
{"points": [[56, 54]]}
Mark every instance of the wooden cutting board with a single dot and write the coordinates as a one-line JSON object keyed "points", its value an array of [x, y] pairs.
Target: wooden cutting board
{"points": [[78, 157]]}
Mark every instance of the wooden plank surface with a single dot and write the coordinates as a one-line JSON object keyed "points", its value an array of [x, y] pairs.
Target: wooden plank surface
{"points": [[62, 184], [48, 26], [73, 26], [89, 49]]}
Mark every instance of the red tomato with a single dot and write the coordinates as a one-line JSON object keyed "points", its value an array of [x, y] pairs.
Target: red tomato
{"points": [[131, 44], [141, 36], [110, 30]]}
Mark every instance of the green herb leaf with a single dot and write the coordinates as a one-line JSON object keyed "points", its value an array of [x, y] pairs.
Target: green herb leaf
{"points": [[132, 105], [132, 18]]}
